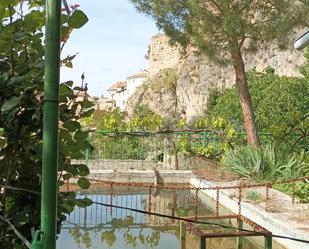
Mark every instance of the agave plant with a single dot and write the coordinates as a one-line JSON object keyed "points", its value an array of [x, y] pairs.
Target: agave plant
{"points": [[244, 161], [296, 167], [264, 163]]}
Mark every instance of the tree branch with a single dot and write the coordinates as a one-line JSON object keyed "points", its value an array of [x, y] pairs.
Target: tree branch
{"points": [[18, 234], [66, 6]]}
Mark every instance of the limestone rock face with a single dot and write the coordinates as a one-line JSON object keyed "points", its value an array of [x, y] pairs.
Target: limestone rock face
{"points": [[162, 55], [196, 75]]}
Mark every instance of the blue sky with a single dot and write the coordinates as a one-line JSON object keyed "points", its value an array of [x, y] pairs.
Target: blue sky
{"points": [[111, 46]]}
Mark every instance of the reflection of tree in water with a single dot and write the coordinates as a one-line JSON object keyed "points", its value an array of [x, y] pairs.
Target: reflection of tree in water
{"points": [[153, 239], [75, 234], [108, 236], [81, 238], [129, 238]]}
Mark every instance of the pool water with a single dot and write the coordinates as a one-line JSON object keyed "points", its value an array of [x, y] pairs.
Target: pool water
{"points": [[99, 226]]}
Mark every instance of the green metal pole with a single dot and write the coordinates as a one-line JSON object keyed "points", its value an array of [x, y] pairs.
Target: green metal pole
{"points": [[183, 235], [240, 239], [50, 124], [86, 156], [205, 138], [202, 242], [268, 242]]}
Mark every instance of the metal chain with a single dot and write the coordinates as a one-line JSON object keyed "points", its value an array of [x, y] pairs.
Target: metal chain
{"points": [[149, 199], [169, 187], [239, 199], [294, 192], [111, 198], [196, 202], [217, 202], [267, 196]]}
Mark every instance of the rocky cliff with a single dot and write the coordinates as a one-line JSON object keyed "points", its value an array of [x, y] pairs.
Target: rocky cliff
{"points": [[180, 83]]}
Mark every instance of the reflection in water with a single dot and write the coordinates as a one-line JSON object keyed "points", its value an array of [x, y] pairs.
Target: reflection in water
{"points": [[99, 227]]}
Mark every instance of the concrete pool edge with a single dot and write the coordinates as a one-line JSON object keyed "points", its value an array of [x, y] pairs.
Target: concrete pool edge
{"points": [[261, 217], [146, 176]]}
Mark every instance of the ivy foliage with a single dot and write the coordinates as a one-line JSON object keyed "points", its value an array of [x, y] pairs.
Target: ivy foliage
{"points": [[144, 119], [218, 137], [112, 119], [118, 145], [21, 104]]}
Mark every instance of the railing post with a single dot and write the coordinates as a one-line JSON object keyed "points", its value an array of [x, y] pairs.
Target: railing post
{"points": [[205, 138], [182, 235], [268, 242], [240, 239], [85, 218], [86, 156], [202, 242]]}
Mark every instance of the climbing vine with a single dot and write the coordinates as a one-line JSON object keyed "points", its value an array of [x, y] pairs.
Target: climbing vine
{"points": [[21, 104]]}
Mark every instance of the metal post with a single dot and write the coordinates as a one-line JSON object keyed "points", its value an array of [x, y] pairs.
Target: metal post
{"points": [[86, 157], [50, 124], [202, 243], [268, 242], [85, 218], [240, 239], [205, 138], [182, 235]]}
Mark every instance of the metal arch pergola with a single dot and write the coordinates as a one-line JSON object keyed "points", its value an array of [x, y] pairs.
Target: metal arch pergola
{"points": [[46, 238]]}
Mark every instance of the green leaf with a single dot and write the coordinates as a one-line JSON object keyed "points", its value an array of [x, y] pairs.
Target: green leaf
{"points": [[83, 169], [21, 219], [77, 88], [69, 64], [71, 169], [65, 135], [69, 83], [83, 183], [71, 126], [80, 136], [2, 12], [69, 205], [10, 104], [33, 21], [19, 79], [78, 19], [67, 176], [65, 90], [2, 142], [87, 113], [64, 19], [84, 202], [86, 104]]}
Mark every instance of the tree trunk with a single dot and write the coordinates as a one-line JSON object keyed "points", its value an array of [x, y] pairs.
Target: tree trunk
{"points": [[245, 98]]}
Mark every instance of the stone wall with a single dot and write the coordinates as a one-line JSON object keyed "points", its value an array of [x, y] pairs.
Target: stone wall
{"points": [[116, 165], [162, 55]]}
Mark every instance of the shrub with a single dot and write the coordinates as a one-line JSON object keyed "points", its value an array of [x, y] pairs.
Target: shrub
{"points": [[286, 118], [264, 163]]}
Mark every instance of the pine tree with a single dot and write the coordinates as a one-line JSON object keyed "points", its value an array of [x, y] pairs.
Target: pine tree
{"points": [[223, 29]]}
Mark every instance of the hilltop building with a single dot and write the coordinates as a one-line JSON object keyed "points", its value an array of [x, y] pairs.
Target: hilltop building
{"points": [[100, 102], [119, 92]]}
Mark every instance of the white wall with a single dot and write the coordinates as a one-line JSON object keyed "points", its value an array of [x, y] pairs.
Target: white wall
{"points": [[121, 97]]}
